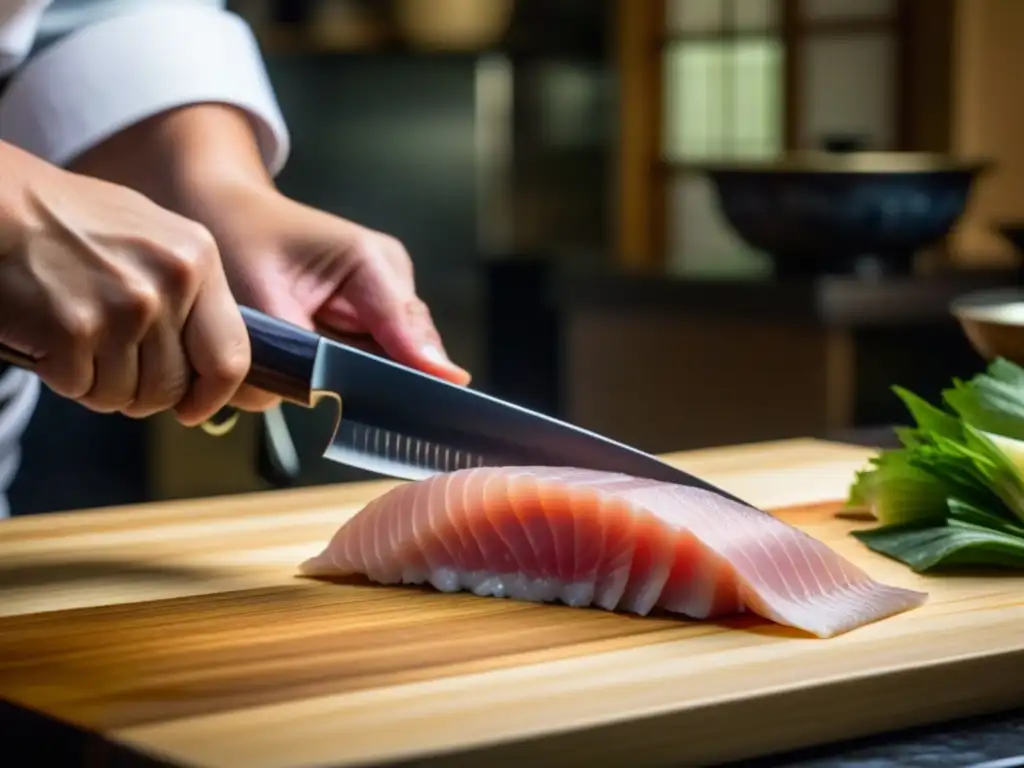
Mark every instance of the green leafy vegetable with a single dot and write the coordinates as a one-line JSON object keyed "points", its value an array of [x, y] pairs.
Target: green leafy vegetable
{"points": [[925, 548], [954, 493], [992, 402], [929, 418], [897, 492]]}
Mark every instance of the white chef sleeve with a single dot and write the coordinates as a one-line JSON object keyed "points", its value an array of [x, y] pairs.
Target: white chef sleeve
{"points": [[135, 60]]}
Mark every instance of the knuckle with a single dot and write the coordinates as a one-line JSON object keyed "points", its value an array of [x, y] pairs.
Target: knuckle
{"points": [[168, 387], [172, 390], [371, 245], [397, 255], [140, 303], [359, 251], [102, 399], [416, 310], [392, 243], [191, 256], [229, 363], [81, 322], [232, 364], [201, 239], [403, 263]]}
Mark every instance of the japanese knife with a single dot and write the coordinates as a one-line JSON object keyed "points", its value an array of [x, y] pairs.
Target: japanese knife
{"points": [[399, 422], [396, 421]]}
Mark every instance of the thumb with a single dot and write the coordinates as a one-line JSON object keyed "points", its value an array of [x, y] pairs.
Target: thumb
{"points": [[284, 306], [408, 335], [398, 321]]}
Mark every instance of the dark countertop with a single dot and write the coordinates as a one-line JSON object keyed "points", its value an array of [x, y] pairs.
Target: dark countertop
{"points": [[989, 742], [832, 301], [980, 743]]}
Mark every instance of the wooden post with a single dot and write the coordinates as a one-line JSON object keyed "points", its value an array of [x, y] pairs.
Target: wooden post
{"points": [[640, 188]]}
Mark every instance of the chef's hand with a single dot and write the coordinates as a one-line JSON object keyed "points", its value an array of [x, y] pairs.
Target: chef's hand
{"points": [[124, 303], [311, 268], [289, 260]]}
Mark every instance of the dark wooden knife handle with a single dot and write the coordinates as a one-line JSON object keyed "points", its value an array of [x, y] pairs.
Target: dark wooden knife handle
{"points": [[283, 356], [18, 359]]}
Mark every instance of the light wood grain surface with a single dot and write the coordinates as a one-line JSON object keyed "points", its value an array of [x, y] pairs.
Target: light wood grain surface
{"points": [[181, 630]]}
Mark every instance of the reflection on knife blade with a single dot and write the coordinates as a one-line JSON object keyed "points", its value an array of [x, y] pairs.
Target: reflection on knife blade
{"points": [[392, 453]]}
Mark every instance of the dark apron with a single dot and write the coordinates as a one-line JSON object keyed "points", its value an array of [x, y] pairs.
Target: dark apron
{"points": [[4, 81], [3, 87]]}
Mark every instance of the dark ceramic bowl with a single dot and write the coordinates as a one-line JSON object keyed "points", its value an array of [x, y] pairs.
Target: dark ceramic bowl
{"points": [[821, 212]]}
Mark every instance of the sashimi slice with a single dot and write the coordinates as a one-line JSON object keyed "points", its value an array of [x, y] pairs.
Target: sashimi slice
{"points": [[620, 543]]}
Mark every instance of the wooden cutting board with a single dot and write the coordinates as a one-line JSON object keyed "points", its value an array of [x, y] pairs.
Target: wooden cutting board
{"points": [[180, 631]]}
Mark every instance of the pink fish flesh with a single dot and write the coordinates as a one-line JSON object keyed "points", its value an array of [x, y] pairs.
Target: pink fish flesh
{"points": [[613, 541]]}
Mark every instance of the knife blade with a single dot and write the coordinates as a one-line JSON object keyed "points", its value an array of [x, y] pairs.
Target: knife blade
{"points": [[403, 423]]}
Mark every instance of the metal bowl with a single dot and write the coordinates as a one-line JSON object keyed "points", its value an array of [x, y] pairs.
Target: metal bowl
{"points": [[993, 321], [827, 212]]}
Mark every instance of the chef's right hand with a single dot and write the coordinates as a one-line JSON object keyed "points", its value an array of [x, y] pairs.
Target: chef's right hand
{"points": [[124, 302]]}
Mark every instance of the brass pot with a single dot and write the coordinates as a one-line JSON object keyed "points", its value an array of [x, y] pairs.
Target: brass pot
{"points": [[453, 24]]}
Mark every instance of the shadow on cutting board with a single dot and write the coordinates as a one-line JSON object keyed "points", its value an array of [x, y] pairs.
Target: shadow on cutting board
{"points": [[657, 617], [76, 571]]}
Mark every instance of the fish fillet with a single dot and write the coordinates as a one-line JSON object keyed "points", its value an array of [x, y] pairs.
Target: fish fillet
{"points": [[613, 541]]}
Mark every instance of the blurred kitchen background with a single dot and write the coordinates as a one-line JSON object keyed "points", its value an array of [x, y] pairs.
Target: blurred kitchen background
{"points": [[551, 166]]}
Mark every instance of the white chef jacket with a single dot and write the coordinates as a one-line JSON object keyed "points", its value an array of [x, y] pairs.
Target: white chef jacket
{"points": [[83, 70]]}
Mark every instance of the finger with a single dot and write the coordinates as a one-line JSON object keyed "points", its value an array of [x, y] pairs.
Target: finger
{"points": [[29, 328], [408, 331], [253, 400], [409, 335], [68, 367], [116, 370], [399, 322], [132, 306], [164, 372], [217, 346], [114, 385]]}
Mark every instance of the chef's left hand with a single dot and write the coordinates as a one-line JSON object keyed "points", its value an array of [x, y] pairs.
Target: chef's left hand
{"points": [[314, 269], [291, 261]]}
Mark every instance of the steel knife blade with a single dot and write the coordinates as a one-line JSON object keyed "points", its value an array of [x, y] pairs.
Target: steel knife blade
{"points": [[400, 422]]}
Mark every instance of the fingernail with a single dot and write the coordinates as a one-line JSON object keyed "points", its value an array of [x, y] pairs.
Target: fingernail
{"points": [[434, 354]]}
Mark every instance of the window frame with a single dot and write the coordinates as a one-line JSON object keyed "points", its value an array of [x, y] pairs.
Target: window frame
{"points": [[644, 173]]}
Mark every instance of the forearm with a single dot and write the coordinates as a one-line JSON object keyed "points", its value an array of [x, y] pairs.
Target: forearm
{"points": [[175, 157], [140, 61], [23, 173]]}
